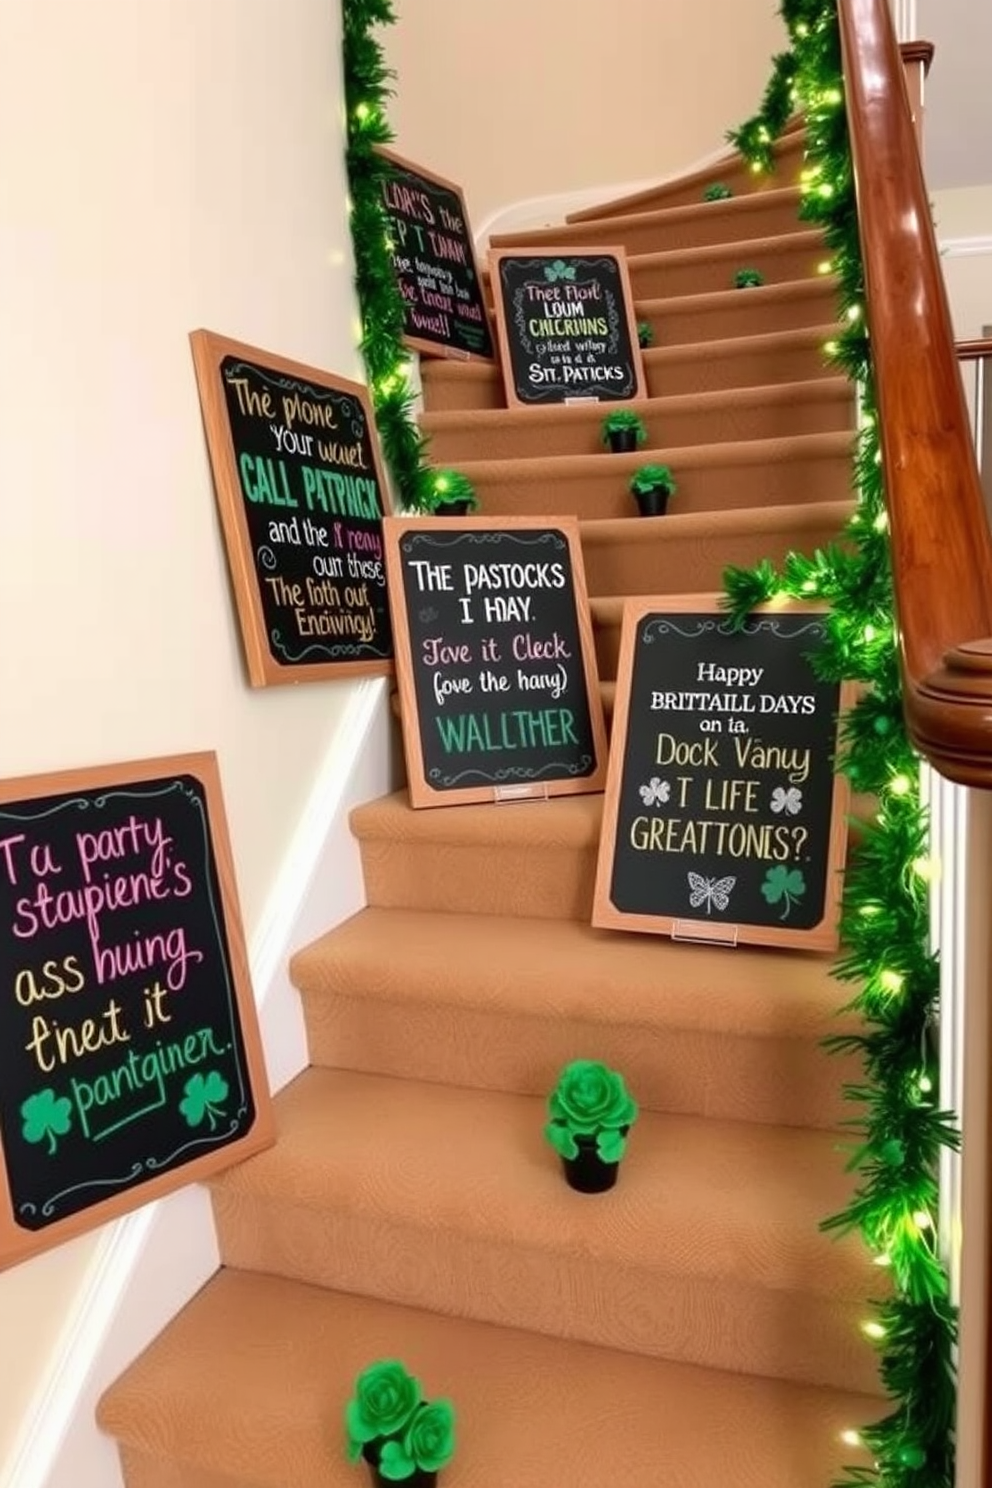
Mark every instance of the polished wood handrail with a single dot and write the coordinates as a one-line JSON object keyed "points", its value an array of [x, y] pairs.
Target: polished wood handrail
{"points": [[973, 351], [941, 548]]}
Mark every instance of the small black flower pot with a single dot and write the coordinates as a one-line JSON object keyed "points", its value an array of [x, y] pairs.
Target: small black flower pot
{"points": [[448, 509], [652, 503], [417, 1479], [622, 441], [588, 1173]]}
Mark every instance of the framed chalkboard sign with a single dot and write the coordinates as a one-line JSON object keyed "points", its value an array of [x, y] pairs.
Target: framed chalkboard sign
{"points": [[129, 1047], [567, 330], [724, 819], [301, 497], [494, 659], [434, 262]]}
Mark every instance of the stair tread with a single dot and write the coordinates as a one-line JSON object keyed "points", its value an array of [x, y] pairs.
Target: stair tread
{"points": [[654, 219], [565, 821], [558, 968], [823, 286], [737, 251], [822, 389], [252, 1378], [605, 531], [549, 469], [698, 1197]]}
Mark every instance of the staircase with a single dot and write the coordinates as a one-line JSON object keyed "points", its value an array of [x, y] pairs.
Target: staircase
{"points": [[692, 1329]]}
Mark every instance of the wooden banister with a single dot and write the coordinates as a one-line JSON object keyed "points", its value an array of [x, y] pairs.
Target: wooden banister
{"points": [[973, 351], [941, 549]]}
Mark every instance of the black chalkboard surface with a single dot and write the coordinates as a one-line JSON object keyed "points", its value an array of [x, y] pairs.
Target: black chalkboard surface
{"points": [[300, 493], [494, 659], [724, 819], [129, 1047], [434, 262], [566, 324]]}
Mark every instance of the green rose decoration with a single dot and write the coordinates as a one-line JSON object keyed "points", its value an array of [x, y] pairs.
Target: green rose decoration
{"points": [[590, 1100], [385, 1398], [428, 1442]]}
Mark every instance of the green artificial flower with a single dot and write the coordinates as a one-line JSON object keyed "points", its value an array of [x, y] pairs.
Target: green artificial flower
{"points": [[385, 1398], [430, 1436], [428, 1442], [590, 1098]]}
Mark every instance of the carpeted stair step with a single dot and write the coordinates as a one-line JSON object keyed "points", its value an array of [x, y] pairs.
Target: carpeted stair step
{"points": [[530, 858], [689, 554], [509, 1002], [247, 1387], [758, 311], [698, 224], [686, 190], [781, 259], [819, 406], [741, 362], [713, 1226], [712, 477], [670, 371]]}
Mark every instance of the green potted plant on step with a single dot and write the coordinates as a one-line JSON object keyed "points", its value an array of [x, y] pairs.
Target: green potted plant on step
{"points": [[591, 1112], [450, 494], [645, 334], [717, 192], [651, 486], [748, 279], [403, 1437], [623, 430]]}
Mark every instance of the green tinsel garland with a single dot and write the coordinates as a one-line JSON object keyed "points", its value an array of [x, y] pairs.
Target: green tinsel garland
{"points": [[900, 1128], [366, 89], [884, 923]]}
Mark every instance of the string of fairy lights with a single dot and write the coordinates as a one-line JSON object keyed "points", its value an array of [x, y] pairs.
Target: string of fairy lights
{"points": [[899, 1128]]}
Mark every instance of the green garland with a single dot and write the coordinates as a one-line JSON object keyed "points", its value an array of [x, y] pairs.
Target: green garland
{"points": [[901, 1129], [884, 925], [387, 362]]}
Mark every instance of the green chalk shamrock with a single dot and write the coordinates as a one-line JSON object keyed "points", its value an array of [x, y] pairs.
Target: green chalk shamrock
{"points": [[558, 270], [786, 884], [202, 1097], [46, 1114]]}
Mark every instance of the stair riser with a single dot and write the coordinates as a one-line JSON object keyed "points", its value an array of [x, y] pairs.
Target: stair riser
{"points": [[656, 278], [537, 883], [601, 490], [735, 173], [704, 371], [532, 435], [451, 388], [785, 1082], [716, 1323], [652, 562], [751, 314], [754, 216]]}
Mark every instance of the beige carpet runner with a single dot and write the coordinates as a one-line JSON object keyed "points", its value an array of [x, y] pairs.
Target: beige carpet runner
{"points": [[691, 1329]]}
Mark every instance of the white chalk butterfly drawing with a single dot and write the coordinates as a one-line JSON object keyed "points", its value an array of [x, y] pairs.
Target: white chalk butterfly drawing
{"points": [[656, 792], [710, 891], [790, 800]]}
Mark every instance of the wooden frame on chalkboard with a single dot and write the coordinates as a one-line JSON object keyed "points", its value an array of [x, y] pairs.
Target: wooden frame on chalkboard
{"points": [[614, 251], [821, 937], [421, 792], [209, 353], [33, 976], [421, 343]]}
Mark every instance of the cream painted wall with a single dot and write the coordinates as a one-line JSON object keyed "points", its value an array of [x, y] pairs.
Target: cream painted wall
{"points": [[167, 164], [532, 97]]}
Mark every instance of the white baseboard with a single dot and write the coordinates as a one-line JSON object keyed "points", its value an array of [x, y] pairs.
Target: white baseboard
{"points": [[149, 1265]]}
